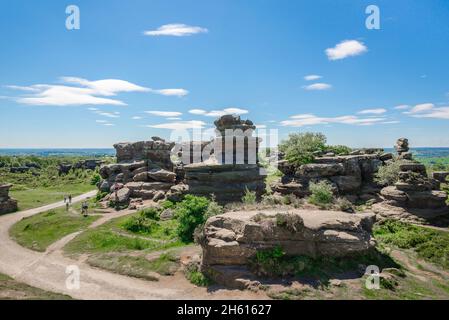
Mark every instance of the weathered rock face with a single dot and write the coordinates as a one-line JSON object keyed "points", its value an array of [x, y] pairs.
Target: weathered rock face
{"points": [[231, 239], [232, 168], [348, 174], [155, 152], [415, 197], [143, 170], [7, 204], [227, 182]]}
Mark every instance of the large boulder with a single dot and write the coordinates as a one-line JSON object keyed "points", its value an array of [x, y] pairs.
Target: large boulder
{"points": [[162, 175], [121, 196], [316, 170], [235, 237]]}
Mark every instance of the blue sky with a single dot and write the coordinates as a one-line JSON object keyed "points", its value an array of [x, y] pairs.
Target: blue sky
{"points": [[110, 81]]}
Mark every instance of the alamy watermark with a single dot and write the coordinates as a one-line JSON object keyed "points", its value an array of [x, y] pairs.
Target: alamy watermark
{"points": [[372, 22], [73, 21], [72, 281]]}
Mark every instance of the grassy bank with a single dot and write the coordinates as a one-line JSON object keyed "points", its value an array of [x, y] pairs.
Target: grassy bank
{"points": [[39, 231], [11, 289]]}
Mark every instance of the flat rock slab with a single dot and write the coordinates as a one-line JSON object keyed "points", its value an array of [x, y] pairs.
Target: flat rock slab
{"points": [[234, 237]]}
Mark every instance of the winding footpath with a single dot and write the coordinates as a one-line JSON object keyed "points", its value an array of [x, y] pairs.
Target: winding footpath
{"points": [[47, 270]]}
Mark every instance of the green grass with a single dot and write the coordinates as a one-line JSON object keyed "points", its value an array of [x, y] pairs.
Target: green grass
{"points": [[14, 290], [430, 245], [136, 266], [36, 197], [196, 277], [435, 163], [113, 237], [39, 231]]}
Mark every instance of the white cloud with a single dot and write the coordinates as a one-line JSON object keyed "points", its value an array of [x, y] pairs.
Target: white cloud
{"points": [[175, 29], [218, 113], [101, 121], [171, 92], [108, 114], [261, 126], [391, 122], [179, 125], [402, 107], [136, 118], [108, 124], [198, 111], [174, 118], [434, 112], [79, 91], [310, 119], [373, 111], [318, 86], [92, 109], [312, 77], [419, 108], [165, 113], [344, 49]]}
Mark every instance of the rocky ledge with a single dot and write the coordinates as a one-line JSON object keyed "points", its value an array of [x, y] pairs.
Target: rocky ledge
{"points": [[232, 239], [7, 204]]}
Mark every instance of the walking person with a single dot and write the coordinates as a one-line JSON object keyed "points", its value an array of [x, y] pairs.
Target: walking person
{"points": [[84, 208], [65, 198], [70, 199], [66, 206]]}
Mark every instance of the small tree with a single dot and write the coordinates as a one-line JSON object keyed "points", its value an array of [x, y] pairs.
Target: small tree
{"points": [[299, 148], [249, 198]]}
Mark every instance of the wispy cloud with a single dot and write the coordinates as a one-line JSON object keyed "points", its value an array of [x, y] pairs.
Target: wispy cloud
{"points": [[176, 29], [78, 91], [165, 113], [108, 114], [179, 125], [428, 110], [301, 120], [136, 118], [373, 111], [347, 48], [312, 77], [318, 87], [419, 108], [402, 107], [171, 92], [218, 113], [101, 121]]}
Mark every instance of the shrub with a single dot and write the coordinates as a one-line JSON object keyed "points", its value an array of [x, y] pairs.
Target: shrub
{"points": [[191, 212], [167, 204], [321, 193], [196, 277], [100, 195], [139, 224], [339, 149], [388, 175], [150, 213], [249, 198], [299, 148], [213, 209]]}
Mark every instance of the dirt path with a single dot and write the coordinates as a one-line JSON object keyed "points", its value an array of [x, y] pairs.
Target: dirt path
{"points": [[48, 270]]}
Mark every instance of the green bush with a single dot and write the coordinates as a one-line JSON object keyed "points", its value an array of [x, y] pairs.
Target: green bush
{"points": [[321, 193], [139, 224], [249, 198], [151, 213], [191, 212], [95, 179], [339, 149], [299, 148], [388, 175]]}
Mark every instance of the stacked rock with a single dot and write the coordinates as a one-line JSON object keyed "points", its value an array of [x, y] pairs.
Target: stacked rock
{"points": [[402, 148], [143, 170], [233, 168], [349, 175], [415, 197], [7, 204]]}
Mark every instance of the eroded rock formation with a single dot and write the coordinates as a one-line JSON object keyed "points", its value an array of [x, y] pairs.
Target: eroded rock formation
{"points": [[349, 175], [143, 170], [7, 204], [233, 238], [415, 197]]}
